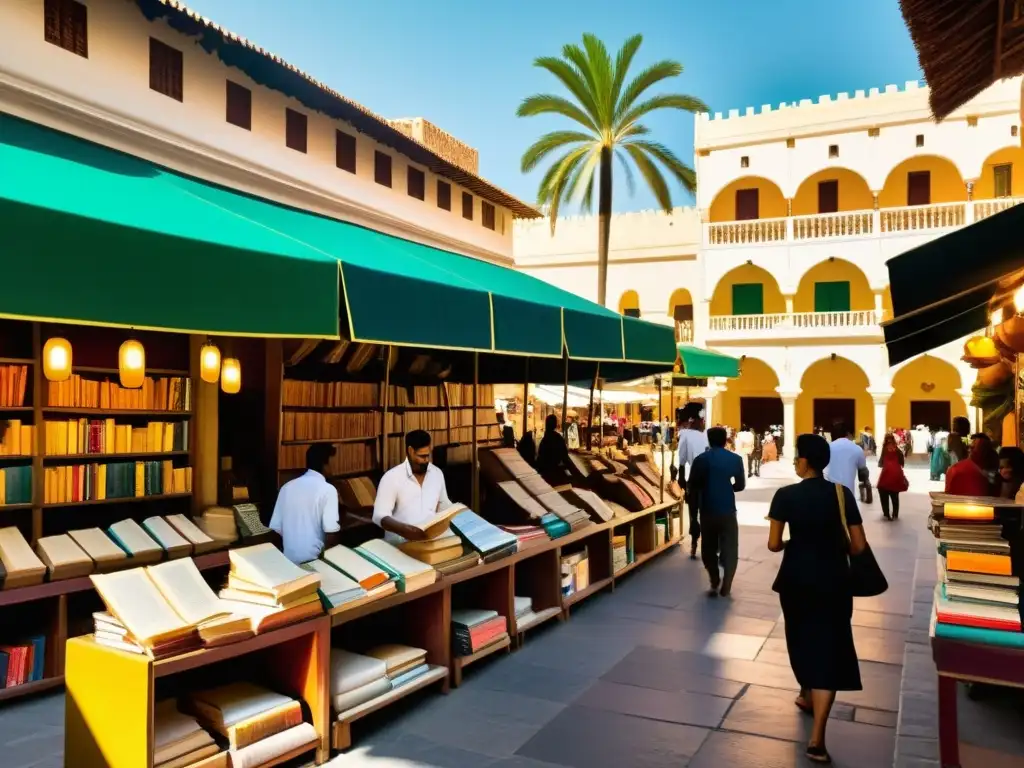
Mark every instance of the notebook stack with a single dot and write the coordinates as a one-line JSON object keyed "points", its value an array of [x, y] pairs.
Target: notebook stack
{"points": [[523, 609], [356, 679], [258, 724], [271, 590], [22, 567], [434, 551], [408, 573], [474, 630], [23, 662], [554, 526], [63, 558], [976, 597], [527, 535], [620, 553], [179, 740], [140, 547], [374, 580], [575, 573], [404, 663], [335, 587], [184, 588], [490, 541]]}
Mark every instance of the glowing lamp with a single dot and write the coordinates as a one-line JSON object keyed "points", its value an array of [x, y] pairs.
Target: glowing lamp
{"points": [[209, 363], [230, 376], [131, 364], [1018, 300], [57, 359]]}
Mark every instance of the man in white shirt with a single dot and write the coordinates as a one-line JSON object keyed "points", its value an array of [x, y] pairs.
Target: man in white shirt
{"points": [[745, 447], [692, 443], [306, 513], [846, 463], [410, 493]]}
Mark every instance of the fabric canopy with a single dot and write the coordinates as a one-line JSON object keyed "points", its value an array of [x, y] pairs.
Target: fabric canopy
{"points": [[699, 363], [226, 262], [942, 290]]}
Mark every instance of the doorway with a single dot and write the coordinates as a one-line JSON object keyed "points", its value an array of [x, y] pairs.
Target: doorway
{"points": [[759, 413], [934, 414], [827, 411], [748, 204], [919, 188], [828, 196]]}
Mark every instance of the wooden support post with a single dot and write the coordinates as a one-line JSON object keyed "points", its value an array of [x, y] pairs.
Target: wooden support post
{"points": [[475, 472], [661, 485], [526, 394], [385, 397], [590, 417], [565, 390]]}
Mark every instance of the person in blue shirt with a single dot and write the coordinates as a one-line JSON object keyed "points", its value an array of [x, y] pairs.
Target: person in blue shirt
{"points": [[715, 477]]}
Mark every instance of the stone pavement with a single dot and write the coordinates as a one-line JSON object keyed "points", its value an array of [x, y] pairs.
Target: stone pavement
{"points": [[657, 674]]}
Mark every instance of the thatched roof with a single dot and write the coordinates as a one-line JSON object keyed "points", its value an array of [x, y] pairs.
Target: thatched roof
{"points": [[965, 45]]}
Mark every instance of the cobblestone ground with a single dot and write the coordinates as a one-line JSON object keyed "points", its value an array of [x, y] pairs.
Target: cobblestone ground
{"points": [[656, 674]]}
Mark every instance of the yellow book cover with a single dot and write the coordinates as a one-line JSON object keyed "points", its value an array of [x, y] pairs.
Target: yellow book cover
{"points": [[83, 435], [3, 487], [28, 435], [168, 437], [978, 562], [71, 446], [140, 478], [109, 436], [66, 495], [62, 439], [49, 437], [101, 482], [13, 438]]}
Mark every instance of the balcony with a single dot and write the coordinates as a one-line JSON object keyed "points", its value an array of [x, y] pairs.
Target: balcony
{"points": [[849, 224], [684, 331], [861, 323]]}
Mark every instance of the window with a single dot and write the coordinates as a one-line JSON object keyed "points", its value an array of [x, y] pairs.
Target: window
{"points": [[919, 188], [828, 196], [1013, 130], [972, 121], [65, 26], [747, 204], [444, 195], [833, 150], [919, 140], [874, 132], [1003, 180], [165, 70], [832, 296], [632, 312], [345, 151], [295, 125], [467, 206], [748, 299], [487, 214], [239, 106], [382, 168], [790, 143], [417, 183], [745, 162]]}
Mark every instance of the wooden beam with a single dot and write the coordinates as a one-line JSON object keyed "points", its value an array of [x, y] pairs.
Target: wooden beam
{"points": [[997, 65]]}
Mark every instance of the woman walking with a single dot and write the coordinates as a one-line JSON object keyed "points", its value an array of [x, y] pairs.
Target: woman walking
{"points": [[814, 584], [892, 481]]}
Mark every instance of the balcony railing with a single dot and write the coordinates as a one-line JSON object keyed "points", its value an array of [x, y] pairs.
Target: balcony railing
{"points": [[907, 219], [813, 322], [684, 331]]}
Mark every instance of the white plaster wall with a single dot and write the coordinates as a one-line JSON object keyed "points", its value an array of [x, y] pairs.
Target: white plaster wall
{"points": [[107, 98], [790, 363]]}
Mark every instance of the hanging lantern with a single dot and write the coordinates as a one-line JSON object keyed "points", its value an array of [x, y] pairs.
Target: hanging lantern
{"points": [[230, 376], [57, 359], [209, 363], [131, 364]]}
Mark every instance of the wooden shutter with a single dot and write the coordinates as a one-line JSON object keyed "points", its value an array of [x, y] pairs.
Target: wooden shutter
{"points": [[1003, 182], [165, 70], [295, 130], [239, 105], [748, 299], [682, 313], [828, 196], [345, 151], [919, 188], [65, 23], [487, 214], [747, 204], [832, 296], [444, 195], [382, 168], [416, 183], [467, 206]]}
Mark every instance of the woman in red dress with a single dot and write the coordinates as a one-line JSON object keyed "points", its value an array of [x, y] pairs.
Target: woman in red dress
{"points": [[891, 481]]}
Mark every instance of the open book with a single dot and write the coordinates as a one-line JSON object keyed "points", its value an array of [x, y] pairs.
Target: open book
{"points": [[438, 524]]}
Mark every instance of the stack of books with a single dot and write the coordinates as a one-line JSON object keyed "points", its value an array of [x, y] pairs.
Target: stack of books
{"points": [[570, 513], [490, 541], [434, 551], [184, 588], [167, 536], [21, 566], [473, 630], [523, 608], [356, 679], [179, 740], [554, 526], [374, 580], [408, 573], [527, 535], [976, 597], [469, 559], [267, 587], [105, 554], [193, 535], [23, 662], [575, 570], [259, 725], [593, 504], [620, 553], [140, 547], [336, 588], [404, 663], [522, 500], [64, 559]]}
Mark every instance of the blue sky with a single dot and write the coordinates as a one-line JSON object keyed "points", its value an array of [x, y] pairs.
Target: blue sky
{"points": [[466, 66]]}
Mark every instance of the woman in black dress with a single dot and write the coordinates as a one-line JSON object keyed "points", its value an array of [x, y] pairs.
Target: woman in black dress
{"points": [[814, 585]]}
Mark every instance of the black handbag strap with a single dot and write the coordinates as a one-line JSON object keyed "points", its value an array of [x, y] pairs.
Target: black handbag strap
{"points": [[842, 511]]}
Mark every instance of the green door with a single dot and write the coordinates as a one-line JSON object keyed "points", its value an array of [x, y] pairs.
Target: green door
{"points": [[748, 299], [832, 297]]}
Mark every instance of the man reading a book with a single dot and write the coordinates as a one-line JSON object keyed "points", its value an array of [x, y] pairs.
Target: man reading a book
{"points": [[306, 513], [411, 493]]}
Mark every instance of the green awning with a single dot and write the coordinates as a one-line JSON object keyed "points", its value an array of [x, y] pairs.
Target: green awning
{"points": [[90, 235], [699, 363]]}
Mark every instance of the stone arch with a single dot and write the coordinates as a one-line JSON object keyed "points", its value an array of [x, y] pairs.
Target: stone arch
{"points": [[984, 187], [947, 183], [833, 387], [833, 270], [746, 274], [771, 201], [854, 191], [920, 388], [680, 312], [629, 303], [753, 397]]}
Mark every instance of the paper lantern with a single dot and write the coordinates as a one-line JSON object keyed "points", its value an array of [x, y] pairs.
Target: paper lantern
{"points": [[131, 364], [209, 363], [57, 359], [230, 376]]}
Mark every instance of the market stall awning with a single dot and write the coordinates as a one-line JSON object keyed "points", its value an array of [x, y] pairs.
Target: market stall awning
{"points": [[942, 290], [699, 363], [90, 235]]}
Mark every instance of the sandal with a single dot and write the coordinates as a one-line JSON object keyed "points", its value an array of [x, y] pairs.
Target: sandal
{"points": [[803, 706], [818, 754]]}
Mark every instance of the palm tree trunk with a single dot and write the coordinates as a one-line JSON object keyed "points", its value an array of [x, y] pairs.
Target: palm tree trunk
{"points": [[604, 223]]}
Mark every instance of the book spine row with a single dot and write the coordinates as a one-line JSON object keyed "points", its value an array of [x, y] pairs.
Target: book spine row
{"points": [[297, 425], [16, 485], [401, 397], [463, 417], [329, 394], [162, 394], [349, 458], [23, 662], [460, 395], [95, 436], [116, 480], [17, 439], [13, 383]]}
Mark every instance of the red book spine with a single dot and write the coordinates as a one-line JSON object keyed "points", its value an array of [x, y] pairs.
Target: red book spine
{"points": [[978, 621]]}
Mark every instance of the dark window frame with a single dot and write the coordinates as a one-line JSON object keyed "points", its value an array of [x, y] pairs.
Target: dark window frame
{"points": [[166, 70], [382, 168], [488, 215], [415, 182], [238, 105], [66, 25], [444, 195], [467, 206], [296, 130], [1002, 169], [345, 150]]}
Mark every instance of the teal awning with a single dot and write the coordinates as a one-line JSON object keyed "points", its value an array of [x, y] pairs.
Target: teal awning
{"points": [[699, 363]]}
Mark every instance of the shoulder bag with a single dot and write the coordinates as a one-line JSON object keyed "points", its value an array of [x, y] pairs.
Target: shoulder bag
{"points": [[866, 576]]}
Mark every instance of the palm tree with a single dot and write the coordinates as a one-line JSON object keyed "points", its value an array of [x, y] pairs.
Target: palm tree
{"points": [[609, 112]]}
